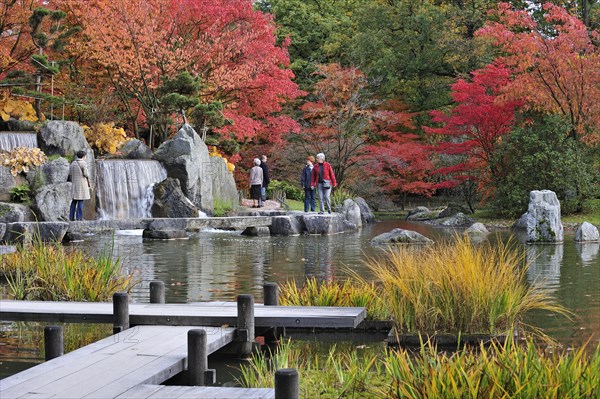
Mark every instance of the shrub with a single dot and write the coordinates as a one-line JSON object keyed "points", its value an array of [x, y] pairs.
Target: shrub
{"points": [[20, 159], [222, 208], [105, 137], [339, 196], [20, 193], [18, 109], [291, 191]]}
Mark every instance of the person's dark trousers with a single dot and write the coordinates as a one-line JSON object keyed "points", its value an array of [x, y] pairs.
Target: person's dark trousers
{"points": [[309, 200], [76, 210]]}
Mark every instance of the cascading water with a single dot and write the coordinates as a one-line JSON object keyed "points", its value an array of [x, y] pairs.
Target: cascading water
{"points": [[124, 187], [11, 140]]}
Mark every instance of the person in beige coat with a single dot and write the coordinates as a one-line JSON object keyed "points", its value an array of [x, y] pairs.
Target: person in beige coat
{"points": [[80, 181]]}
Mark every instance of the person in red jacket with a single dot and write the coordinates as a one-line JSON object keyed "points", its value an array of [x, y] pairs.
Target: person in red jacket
{"points": [[323, 179]]}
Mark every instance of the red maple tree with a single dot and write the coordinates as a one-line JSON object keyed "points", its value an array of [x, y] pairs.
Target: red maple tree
{"points": [[471, 131], [555, 61]]}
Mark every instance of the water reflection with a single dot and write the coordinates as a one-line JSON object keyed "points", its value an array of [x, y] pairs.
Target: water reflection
{"points": [[544, 265], [588, 252]]}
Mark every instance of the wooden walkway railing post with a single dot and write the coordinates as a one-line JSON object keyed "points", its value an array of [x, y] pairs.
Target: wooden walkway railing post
{"points": [[245, 323], [287, 384], [157, 292], [197, 356], [120, 312], [53, 342], [271, 298]]}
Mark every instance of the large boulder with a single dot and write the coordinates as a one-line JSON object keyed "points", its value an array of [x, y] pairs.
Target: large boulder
{"points": [[366, 213], [325, 224], [401, 236], [26, 232], [452, 209], [477, 229], [2, 230], [53, 172], [421, 213], [170, 202], [186, 158], [351, 212], [260, 231], [16, 125], [164, 234], [587, 232], [7, 181], [286, 226], [65, 139], [457, 220], [52, 202], [224, 189], [136, 149], [10, 213], [542, 219]]}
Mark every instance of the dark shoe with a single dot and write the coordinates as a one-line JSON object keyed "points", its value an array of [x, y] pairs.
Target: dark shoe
{"points": [[329, 211], [320, 213]]}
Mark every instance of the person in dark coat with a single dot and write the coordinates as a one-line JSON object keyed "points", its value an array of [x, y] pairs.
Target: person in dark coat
{"points": [[305, 180], [80, 183], [266, 178]]}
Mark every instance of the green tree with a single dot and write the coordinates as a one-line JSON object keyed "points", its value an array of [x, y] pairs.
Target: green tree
{"points": [[541, 155]]}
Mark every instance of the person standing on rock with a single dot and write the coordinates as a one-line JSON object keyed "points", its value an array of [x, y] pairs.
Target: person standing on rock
{"points": [[305, 182], [266, 178], [324, 179], [80, 182], [256, 183]]}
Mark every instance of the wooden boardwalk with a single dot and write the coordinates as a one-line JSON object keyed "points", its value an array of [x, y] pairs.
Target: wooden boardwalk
{"points": [[130, 364], [194, 314]]}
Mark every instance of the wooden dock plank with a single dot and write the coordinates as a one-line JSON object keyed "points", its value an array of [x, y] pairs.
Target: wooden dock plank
{"points": [[108, 368], [205, 314], [183, 392]]}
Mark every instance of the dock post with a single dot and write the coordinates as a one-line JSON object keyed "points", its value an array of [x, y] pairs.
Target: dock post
{"points": [[245, 323], [271, 294], [287, 384], [157, 292], [197, 356], [271, 298], [120, 312], [53, 342]]}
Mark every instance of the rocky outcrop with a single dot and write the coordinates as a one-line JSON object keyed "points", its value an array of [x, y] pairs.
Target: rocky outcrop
{"points": [[52, 202], [136, 149], [65, 139], [286, 226], [366, 213], [11, 213], [55, 171], [587, 232], [351, 212], [7, 181], [186, 158], [401, 236], [16, 125], [542, 219], [224, 189], [326, 224], [170, 202], [26, 232], [2, 230], [452, 209]]}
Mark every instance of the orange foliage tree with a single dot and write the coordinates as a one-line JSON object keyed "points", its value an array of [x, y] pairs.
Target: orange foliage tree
{"points": [[227, 46], [16, 46], [556, 62], [344, 120]]}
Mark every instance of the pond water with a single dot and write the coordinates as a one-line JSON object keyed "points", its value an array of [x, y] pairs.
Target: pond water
{"points": [[219, 265]]}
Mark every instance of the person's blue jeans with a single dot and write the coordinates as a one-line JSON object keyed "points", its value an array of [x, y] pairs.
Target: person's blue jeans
{"points": [[76, 210], [309, 199]]}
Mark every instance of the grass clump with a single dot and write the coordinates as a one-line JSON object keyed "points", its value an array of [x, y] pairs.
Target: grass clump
{"points": [[52, 272], [354, 292], [509, 371], [222, 208], [458, 288]]}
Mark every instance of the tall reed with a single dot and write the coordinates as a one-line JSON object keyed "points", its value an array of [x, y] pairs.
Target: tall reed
{"points": [[52, 272], [509, 371], [355, 292], [458, 288]]}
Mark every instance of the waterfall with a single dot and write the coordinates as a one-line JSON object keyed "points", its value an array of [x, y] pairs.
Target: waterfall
{"points": [[124, 187], [10, 140]]}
